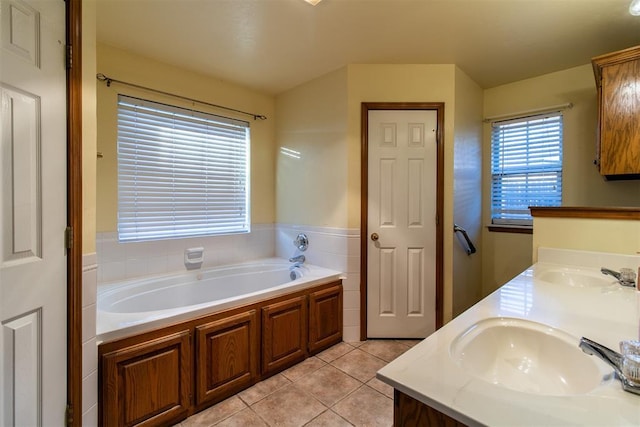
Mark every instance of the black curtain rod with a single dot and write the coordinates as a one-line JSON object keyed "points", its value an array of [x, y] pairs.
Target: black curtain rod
{"points": [[109, 80]]}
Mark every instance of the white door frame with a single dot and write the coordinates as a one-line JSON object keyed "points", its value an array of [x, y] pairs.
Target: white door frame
{"points": [[364, 200]]}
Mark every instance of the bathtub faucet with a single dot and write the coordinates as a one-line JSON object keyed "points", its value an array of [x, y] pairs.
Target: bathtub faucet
{"points": [[297, 260]]}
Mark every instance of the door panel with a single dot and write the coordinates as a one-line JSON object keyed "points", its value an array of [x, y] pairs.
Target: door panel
{"points": [[402, 207], [32, 213]]}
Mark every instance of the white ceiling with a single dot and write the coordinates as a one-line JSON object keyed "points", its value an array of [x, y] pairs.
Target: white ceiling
{"points": [[274, 45]]}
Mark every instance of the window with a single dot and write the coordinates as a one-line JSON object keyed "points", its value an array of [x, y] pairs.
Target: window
{"points": [[181, 173], [526, 167]]}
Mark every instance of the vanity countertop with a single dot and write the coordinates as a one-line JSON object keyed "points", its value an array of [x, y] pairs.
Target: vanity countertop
{"points": [[606, 314]]}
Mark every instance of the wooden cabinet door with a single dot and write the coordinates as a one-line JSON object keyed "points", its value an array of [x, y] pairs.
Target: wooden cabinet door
{"points": [[147, 383], [620, 122], [284, 334], [325, 318], [227, 352]]}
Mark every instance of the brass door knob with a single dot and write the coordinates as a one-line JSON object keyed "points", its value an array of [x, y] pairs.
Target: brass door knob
{"points": [[374, 237]]}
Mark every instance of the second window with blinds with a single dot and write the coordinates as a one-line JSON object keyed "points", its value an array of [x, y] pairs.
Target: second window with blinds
{"points": [[526, 167], [181, 173]]}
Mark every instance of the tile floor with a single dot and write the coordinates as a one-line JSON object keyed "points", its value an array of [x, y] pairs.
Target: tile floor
{"points": [[336, 387]]}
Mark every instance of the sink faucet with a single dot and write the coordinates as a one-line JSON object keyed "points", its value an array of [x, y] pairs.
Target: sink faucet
{"points": [[626, 276], [613, 359], [297, 261]]}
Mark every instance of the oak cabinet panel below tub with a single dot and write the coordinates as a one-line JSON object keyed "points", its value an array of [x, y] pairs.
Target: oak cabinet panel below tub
{"points": [[325, 318], [284, 334], [148, 383], [227, 352]]}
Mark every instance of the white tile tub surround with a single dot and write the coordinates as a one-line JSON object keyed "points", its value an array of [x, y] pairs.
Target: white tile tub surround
{"points": [[334, 248], [89, 347], [119, 261]]}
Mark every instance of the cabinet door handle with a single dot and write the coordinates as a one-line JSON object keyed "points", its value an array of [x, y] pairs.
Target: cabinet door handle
{"points": [[374, 237]]}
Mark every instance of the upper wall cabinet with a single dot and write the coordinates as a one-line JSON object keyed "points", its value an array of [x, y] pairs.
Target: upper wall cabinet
{"points": [[618, 81]]}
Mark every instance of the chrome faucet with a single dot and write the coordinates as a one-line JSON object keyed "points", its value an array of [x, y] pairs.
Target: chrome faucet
{"points": [[613, 359], [297, 260], [626, 276]]}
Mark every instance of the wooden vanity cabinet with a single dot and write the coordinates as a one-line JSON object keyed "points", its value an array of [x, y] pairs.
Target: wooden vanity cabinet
{"points": [[227, 352], [409, 412], [284, 334], [618, 139], [147, 383], [325, 318]]}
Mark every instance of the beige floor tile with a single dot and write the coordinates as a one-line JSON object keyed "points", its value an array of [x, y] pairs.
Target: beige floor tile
{"points": [[304, 368], [289, 406], [355, 343], [383, 388], [329, 419], [366, 407], [243, 418], [263, 389], [328, 385], [386, 350], [409, 343], [332, 353], [216, 413], [359, 364]]}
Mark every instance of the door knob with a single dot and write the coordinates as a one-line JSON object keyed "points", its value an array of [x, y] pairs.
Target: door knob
{"points": [[374, 237]]}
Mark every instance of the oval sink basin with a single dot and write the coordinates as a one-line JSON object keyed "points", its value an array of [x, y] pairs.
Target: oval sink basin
{"points": [[526, 356], [576, 278]]}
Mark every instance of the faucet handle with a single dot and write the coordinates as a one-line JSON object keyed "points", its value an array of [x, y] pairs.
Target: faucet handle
{"points": [[627, 275]]}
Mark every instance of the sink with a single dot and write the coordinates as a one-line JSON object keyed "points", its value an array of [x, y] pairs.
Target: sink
{"points": [[574, 277], [527, 356]]}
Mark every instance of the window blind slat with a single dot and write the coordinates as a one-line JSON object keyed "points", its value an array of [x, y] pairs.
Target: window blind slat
{"points": [[181, 173], [526, 167]]}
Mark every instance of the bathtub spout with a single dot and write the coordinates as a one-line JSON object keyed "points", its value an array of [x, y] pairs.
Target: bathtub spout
{"points": [[298, 259]]}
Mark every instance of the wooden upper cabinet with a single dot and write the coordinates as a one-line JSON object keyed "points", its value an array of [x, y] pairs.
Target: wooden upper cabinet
{"points": [[618, 82]]}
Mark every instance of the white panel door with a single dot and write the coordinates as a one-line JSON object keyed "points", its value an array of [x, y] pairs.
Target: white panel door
{"points": [[33, 213], [401, 253]]}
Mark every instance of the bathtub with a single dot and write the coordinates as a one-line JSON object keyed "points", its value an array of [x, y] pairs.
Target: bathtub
{"points": [[133, 306]]}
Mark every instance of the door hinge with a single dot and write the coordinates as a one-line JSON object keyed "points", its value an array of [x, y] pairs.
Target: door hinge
{"points": [[68, 238], [69, 56], [68, 415]]}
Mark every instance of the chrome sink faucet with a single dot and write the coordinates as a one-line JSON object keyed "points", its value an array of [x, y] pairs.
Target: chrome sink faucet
{"points": [[626, 276]]}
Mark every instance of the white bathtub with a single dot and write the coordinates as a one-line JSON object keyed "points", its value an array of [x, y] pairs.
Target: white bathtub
{"points": [[138, 305]]}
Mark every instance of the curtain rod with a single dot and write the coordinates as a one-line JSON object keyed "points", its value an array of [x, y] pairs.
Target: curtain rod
{"points": [[530, 112], [109, 80]]}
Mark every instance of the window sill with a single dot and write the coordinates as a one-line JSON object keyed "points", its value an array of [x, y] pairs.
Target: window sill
{"points": [[517, 229]]}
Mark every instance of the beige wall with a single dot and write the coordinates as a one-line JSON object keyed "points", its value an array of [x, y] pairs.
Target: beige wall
{"points": [[467, 191], [599, 235], [123, 66], [508, 254], [312, 122], [323, 105], [89, 127], [404, 83]]}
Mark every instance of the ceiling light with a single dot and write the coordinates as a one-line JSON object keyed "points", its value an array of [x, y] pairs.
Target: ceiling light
{"points": [[634, 8], [315, 2]]}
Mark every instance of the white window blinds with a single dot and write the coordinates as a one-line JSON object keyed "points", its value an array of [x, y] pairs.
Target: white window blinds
{"points": [[181, 173], [526, 167]]}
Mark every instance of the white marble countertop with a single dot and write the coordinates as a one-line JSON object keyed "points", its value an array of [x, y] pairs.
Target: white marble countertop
{"points": [[606, 314]]}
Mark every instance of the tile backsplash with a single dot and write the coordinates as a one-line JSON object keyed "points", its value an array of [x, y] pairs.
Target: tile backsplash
{"points": [[119, 261]]}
